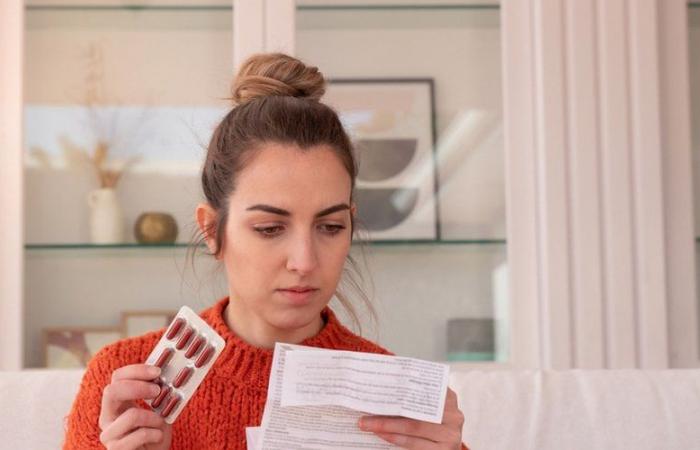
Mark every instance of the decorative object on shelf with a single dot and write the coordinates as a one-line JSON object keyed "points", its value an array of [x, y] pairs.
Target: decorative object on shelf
{"points": [[106, 217], [155, 228], [103, 123], [73, 347], [136, 323], [85, 137], [392, 124], [470, 339]]}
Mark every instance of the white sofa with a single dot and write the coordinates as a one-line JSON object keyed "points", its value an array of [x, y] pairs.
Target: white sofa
{"points": [[508, 410]]}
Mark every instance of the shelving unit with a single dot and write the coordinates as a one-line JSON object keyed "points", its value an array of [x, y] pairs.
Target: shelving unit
{"points": [[377, 243], [592, 281], [179, 47]]}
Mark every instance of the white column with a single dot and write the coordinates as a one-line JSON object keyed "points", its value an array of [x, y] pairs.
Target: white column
{"points": [[521, 185], [262, 26], [553, 189], [588, 93], [11, 185], [280, 26], [584, 185], [648, 189], [678, 199], [617, 202], [248, 30]]}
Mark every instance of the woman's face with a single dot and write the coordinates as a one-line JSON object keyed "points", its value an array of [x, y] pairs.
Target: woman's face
{"points": [[288, 228]]}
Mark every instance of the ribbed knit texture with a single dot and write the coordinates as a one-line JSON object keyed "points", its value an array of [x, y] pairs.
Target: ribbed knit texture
{"points": [[231, 397]]}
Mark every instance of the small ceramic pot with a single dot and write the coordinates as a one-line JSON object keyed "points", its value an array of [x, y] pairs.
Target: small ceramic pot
{"points": [[155, 228]]}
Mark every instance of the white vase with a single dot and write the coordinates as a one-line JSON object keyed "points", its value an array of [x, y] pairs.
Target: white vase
{"points": [[106, 217]]}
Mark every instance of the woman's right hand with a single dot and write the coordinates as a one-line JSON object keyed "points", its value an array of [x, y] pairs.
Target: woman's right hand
{"points": [[126, 426]]}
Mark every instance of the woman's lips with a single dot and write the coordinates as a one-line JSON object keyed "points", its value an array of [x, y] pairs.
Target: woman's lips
{"points": [[296, 296]]}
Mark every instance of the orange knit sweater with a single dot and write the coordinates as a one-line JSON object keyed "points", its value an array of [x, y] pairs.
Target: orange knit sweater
{"points": [[231, 397]]}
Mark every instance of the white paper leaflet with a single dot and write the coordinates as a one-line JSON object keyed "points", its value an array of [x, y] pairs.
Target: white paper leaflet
{"points": [[316, 397]]}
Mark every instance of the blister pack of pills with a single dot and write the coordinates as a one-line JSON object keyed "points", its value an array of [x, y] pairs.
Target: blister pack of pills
{"points": [[185, 353]]}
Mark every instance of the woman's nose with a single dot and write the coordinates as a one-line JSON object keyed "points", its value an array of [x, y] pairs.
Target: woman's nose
{"points": [[302, 256]]}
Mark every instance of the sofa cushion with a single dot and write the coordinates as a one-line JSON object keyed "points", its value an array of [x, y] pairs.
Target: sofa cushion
{"points": [[35, 404], [580, 409], [504, 410]]}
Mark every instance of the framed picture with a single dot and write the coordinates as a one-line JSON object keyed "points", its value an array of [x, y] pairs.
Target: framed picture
{"points": [[136, 323], [73, 347], [392, 125]]}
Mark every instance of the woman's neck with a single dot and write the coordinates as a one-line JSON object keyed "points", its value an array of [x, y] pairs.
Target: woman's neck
{"points": [[259, 333]]}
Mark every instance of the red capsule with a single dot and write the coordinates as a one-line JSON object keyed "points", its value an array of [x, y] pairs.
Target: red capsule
{"points": [[204, 357], [184, 339], [182, 377], [164, 391], [164, 357], [172, 404], [175, 328], [195, 346]]}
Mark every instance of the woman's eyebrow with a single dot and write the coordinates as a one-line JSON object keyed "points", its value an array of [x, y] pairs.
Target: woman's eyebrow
{"points": [[282, 212]]}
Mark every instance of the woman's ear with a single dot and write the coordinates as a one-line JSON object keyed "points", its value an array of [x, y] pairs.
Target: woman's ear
{"points": [[206, 220]]}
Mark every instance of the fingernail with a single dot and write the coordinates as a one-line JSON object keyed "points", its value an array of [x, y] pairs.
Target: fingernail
{"points": [[364, 423], [154, 370]]}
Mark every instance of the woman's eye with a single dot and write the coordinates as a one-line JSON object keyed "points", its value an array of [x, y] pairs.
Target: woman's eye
{"points": [[332, 229], [269, 232]]}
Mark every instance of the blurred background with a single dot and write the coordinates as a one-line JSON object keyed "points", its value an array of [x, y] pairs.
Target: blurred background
{"points": [[527, 180]]}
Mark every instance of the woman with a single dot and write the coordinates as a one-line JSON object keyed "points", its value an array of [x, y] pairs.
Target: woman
{"points": [[279, 213]]}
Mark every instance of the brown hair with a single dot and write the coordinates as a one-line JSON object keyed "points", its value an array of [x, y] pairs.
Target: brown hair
{"points": [[276, 99]]}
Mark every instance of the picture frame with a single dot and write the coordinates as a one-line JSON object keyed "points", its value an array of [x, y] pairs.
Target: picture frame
{"points": [[391, 122], [73, 347], [137, 323]]}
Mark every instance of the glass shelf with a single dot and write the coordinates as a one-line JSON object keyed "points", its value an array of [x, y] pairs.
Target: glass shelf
{"points": [[224, 7], [397, 7], [128, 8], [382, 243]]}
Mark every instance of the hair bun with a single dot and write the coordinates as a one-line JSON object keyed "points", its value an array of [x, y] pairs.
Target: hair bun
{"points": [[270, 74]]}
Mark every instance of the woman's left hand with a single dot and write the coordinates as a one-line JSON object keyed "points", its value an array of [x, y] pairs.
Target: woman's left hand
{"points": [[417, 434]]}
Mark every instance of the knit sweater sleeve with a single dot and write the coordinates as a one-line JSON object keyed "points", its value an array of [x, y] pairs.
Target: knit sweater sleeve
{"points": [[82, 427]]}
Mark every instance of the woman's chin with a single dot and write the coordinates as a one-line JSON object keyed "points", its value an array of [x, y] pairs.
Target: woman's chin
{"points": [[292, 319]]}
